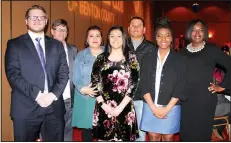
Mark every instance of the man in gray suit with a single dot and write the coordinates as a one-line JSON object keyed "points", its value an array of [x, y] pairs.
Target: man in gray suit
{"points": [[59, 32]]}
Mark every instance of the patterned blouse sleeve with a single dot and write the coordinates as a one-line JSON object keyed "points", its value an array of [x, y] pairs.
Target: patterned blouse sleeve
{"points": [[96, 75], [134, 77]]}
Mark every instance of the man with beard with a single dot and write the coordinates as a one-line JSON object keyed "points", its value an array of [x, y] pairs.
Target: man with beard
{"points": [[37, 71]]}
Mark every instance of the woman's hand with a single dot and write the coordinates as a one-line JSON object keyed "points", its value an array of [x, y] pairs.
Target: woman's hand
{"points": [[161, 112], [215, 88], [88, 90]]}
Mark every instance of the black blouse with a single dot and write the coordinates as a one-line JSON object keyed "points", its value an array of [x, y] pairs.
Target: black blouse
{"points": [[173, 77]]}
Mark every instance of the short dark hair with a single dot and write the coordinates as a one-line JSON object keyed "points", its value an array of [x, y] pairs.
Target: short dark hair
{"points": [[34, 7], [59, 22], [163, 22], [93, 27], [124, 38], [191, 26], [137, 17]]}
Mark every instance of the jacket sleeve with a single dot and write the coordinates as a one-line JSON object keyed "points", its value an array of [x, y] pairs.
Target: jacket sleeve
{"points": [[145, 83], [13, 73], [62, 74], [179, 90], [77, 74]]}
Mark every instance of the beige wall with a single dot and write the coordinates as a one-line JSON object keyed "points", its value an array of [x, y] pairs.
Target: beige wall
{"points": [[79, 17]]}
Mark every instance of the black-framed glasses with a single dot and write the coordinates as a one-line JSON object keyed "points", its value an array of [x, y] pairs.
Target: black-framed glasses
{"points": [[34, 18]]}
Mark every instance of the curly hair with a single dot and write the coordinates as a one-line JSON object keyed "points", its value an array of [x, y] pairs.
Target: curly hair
{"points": [[163, 22]]}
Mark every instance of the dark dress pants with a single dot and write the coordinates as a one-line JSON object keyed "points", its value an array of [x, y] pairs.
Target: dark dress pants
{"points": [[51, 128]]}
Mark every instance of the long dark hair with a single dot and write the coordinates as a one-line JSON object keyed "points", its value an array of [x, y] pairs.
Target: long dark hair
{"points": [[93, 27], [124, 38], [163, 22]]}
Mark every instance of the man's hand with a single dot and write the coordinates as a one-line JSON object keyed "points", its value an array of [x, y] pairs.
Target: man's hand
{"points": [[45, 99]]}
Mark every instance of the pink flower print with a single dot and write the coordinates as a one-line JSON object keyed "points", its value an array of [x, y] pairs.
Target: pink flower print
{"points": [[95, 118], [110, 76], [112, 104], [218, 76], [113, 119], [120, 80], [130, 118], [133, 137], [106, 123]]}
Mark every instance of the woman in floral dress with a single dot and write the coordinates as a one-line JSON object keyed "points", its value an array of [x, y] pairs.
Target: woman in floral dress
{"points": [[116, 75]]}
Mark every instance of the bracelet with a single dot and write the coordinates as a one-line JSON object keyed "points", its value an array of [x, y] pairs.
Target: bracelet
{"points": [[101, 103]]}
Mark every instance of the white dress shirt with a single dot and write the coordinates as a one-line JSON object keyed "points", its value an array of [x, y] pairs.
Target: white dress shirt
{"points": [[67, 90], [42, 43], [159, 67]]}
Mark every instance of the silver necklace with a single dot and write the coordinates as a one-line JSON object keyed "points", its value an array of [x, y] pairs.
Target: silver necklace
{"points": [[191, 49]]}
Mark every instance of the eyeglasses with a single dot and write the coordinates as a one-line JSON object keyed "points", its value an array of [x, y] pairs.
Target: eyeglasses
{"points": [[34, 18], [61, 30]]}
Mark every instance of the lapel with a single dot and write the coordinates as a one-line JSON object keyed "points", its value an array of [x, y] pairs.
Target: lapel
{"points": [[169, 59], [71, 57], [30, 45], [48, 48]]}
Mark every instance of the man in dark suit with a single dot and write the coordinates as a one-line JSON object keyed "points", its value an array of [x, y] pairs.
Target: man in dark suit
{"points": [[37, 71], [59, 31]]}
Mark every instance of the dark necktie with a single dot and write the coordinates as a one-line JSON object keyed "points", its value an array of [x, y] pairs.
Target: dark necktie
{"points": [[42, 59]]}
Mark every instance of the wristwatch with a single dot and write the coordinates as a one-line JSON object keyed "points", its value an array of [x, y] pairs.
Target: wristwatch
{"points": [[101, 103]]}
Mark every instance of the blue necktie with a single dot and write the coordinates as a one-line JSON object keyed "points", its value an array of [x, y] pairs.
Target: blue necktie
{"points": [[42, 59]]}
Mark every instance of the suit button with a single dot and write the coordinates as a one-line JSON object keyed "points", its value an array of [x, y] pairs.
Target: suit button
{"points": [[162, 74], [43, 77], [161, 83]]}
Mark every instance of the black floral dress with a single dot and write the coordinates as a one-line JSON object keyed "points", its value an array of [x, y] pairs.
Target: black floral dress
{"points": [[115, 80]]}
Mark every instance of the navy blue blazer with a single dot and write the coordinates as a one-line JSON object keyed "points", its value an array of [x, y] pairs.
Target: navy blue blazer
{"points": [[26, 77], [173, 77]]}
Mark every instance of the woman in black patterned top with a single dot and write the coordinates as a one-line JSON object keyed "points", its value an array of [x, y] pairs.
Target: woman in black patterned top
{"points": [[115, 74]]}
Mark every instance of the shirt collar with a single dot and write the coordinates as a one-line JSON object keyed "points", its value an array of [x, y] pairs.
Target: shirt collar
{"points": [[65, 47], [165, 55], [137, 41], [34, 35]]}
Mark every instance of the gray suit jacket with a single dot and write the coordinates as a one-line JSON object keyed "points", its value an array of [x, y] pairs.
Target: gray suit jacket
{"points": [[72, 51]]}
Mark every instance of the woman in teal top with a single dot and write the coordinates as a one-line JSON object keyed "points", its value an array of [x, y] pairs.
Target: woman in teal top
{"points": [[84, 103]]}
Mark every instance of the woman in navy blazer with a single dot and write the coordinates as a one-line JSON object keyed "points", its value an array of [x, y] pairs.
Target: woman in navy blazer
{"points": [[162, 82]]}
